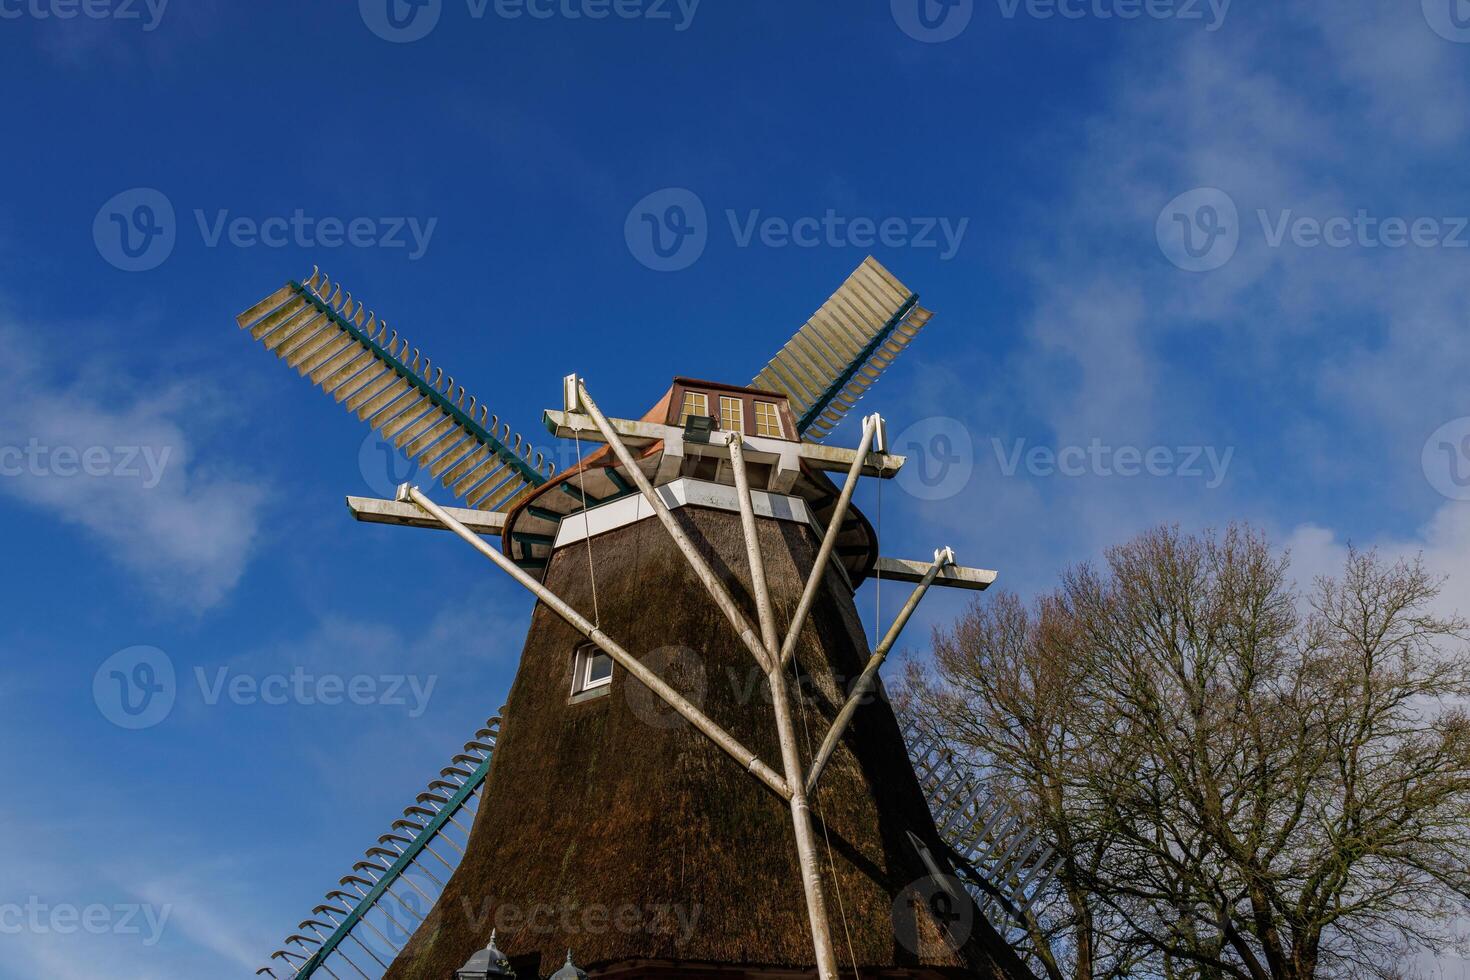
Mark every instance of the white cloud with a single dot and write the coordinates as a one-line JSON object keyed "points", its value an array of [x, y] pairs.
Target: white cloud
{"points": [[1323, 368], [185, 921], [1443, 542], [97, 447]]}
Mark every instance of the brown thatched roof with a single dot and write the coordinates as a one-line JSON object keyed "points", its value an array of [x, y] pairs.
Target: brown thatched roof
{"points": [[611, 827]]}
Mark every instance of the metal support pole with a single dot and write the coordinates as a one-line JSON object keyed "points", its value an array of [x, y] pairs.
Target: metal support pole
{"points": [[829, 540], [801, 818], [759, 587], [707, 575], [870, 673], [626, 660]]}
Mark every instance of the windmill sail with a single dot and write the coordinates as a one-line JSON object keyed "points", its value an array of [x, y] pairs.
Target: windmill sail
{"points": [[991, 835], [394, 887], [836, 356], [324, 335]]}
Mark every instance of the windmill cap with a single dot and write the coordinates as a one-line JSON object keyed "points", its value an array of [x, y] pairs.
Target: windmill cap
{"points": [[489, 961], [570, 971]]}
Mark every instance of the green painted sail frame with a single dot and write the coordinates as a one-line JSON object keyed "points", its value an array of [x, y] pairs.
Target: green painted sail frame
{"points": [[439, 400], [825, 399], [396, 870]]}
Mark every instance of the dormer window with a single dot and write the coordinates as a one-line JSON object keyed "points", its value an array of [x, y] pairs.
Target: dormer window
{"points": [[768, 420], [695, 403], [750, 411], [732, 414]]}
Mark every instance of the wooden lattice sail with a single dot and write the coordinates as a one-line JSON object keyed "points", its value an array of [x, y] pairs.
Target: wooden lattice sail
{"points": [[320, 331], [831, 362]]}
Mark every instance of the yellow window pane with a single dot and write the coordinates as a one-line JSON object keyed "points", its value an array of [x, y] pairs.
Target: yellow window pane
{"points": [[695, 403], [767, 420], [732, 414]]}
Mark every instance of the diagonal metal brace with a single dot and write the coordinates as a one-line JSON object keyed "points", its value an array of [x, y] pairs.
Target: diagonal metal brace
{"points": [[624, 659], [702, 570], [870, 673], [871, 427]]}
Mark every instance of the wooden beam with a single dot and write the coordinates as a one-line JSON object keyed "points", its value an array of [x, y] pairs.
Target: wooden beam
{"points": [[951, 576], [640, 435], [372, 510]]}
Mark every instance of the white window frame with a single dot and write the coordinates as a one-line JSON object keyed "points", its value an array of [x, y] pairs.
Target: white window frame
{"points": [[737, 423], [686, 410], [585, 656], [775, 414]]}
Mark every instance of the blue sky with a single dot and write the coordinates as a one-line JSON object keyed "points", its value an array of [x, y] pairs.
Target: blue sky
{"points": [[1191, 262]]}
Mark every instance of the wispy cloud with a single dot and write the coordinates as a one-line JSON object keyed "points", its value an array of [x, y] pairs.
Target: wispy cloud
{"points": [[94, 446], [1298, 359]]}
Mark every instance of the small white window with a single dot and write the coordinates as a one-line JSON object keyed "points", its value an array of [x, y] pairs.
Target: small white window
{"points": [[591, 669], [732, 414], [768, 420], [695, 403]]}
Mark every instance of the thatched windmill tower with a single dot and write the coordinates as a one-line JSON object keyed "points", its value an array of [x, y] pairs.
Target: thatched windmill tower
{"points": [[692, 777]]}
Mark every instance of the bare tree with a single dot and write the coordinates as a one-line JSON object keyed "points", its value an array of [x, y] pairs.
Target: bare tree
{"points": [[1243, 782]]}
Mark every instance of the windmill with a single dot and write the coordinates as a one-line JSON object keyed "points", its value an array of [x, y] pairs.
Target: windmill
{"points": [[693, 731]]}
